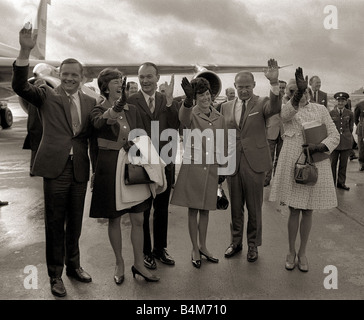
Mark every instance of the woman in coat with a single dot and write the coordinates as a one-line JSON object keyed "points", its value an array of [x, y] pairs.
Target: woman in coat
{"points": [[197, 182], [113, 119], [301, 198]]}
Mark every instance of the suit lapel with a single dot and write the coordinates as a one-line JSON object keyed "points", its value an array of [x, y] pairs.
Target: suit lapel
{"points": [[142, 103], [233, 114], [158, 104], [84, 111], [250, 106], [66, 105]]}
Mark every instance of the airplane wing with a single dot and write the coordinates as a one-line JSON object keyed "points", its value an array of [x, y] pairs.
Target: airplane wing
{"points": [[93, 70]]}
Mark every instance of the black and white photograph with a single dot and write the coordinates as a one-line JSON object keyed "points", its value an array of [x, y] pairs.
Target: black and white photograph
{"points": [[183, 156]]}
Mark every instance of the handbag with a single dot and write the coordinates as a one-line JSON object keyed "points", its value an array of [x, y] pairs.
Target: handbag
{"points": [[222, 200], [135, 174], [305, 172]]}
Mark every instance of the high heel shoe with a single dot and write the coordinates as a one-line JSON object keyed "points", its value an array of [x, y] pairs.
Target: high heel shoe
{"points": [[196, 263], [302, 264], [209, 258], [153, 278], [118, 279], [290, 263]]}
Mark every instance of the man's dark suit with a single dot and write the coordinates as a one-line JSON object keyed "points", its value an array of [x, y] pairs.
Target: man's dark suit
{"points": [[65, 179], [168, 119], [252, 161], [35, 131], [321, 97]]}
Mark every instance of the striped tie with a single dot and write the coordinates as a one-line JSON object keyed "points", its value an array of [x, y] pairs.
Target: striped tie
{"points": [[151, 105], [76, 125]]}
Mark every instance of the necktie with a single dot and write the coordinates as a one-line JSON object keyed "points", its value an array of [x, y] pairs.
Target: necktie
{"points": [[76, 125], [242, 114], [341, 113], [315, 97], [151, 105]]}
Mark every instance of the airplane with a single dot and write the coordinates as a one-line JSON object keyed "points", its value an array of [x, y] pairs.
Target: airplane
{"points": [[40, 68]]}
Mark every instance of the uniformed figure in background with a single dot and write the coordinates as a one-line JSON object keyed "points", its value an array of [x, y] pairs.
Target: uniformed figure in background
{"points": [[344, 121]]}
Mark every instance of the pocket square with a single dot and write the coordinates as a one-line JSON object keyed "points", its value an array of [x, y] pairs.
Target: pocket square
{"points": [[252, 114]]}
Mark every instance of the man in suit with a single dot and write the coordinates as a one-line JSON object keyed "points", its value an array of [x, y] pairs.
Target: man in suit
{"points": [[131, 88], [317, 96], [34, 128], [155, 107], [359, 122], [230, 95], [274, 136], [62, 159], [247, 114], [344, 121], [353, 156]]}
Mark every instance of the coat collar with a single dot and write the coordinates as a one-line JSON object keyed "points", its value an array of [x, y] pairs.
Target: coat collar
{"points": [[158, 103], [214, 114]]}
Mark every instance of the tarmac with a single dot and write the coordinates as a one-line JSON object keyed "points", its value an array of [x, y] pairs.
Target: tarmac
{"points": [[335, 250]]}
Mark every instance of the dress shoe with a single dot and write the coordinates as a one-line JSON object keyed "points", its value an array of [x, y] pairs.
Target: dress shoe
{"points": [[290, 261], [252, 254], [163, 257], [302, 264], [353, 158], [343, 186], [196, 263], [4, 203], [361, 169], [118, 279], [149, 262], [79, 274], [232, 250], [152, 278], [209, 258], [57, 287]]}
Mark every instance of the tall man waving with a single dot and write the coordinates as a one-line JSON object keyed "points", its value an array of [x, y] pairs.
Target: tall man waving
{"points": [[159, 110], [62, 159], [248, 114]]}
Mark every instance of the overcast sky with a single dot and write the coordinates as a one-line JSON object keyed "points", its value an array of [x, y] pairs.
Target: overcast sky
{"points": [[243, 32]]}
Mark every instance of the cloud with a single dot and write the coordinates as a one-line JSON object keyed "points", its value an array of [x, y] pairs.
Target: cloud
{"points": [[245, 32]]}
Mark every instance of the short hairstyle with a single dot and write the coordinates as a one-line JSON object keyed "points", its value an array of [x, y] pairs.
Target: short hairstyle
{"points": [[199, 86], [227, 90], [69, 61], [128, 84], [104, 77], [282, 81], [312, 78], [150, 64], [245, 73]]}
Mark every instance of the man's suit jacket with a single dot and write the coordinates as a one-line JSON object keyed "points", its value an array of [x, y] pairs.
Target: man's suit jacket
{"points": [[344, 126], [167, 116], [34, 128], [274, 127], [322, 98], [251, 138], [58, 138]]}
